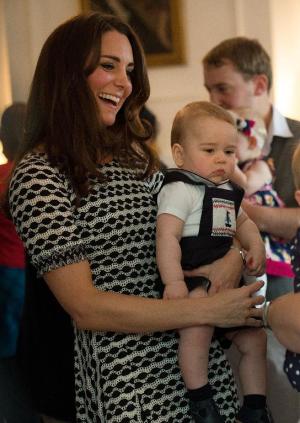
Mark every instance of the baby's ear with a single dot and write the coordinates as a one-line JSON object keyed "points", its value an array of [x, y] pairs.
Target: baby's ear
{"points": [[177, 152], [297, 196]]}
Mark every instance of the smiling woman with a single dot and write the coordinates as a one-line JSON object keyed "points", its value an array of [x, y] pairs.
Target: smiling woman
{"points": [[110, 81], [82, 199]]}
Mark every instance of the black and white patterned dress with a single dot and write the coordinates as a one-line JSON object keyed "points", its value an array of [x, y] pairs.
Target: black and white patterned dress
{"points": [[118, 377]]}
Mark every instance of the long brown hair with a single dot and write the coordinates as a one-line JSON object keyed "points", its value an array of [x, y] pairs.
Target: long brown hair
{"points": [[62, 115]]}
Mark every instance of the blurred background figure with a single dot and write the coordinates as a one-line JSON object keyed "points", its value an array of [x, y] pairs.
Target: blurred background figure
{"points": [[147, 115], [14, 403]]}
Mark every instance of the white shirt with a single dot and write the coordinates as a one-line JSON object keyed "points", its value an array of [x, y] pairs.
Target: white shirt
{"points": [[278, 127]]}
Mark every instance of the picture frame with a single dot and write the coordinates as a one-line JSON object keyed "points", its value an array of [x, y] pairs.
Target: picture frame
{"points": [[158, 24]]}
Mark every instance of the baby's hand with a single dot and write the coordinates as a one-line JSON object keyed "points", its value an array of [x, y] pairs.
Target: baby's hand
{"points": [[256, 260], [175, 290]]}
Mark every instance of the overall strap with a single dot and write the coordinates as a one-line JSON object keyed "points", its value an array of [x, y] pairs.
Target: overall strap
{"points": [[180, 175]]}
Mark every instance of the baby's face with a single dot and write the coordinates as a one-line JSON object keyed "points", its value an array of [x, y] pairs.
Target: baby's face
{"points": [[209, 149]]}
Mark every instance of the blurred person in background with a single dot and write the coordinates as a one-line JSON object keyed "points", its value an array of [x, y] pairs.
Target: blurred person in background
{"points": [[15, 406]]}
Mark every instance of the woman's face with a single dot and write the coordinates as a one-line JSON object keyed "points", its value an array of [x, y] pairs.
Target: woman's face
{"points": [[111, 82]]}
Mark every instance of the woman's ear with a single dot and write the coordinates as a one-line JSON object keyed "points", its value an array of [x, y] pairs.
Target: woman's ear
{"points": [[297, 196], [177, 152], [260, 84]]}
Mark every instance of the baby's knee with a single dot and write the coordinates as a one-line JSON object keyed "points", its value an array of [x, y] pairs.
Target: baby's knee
{"points": [[252, 341]]}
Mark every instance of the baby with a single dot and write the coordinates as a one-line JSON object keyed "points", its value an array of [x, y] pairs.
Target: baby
{"points": [[255, 175], [199, 214]]}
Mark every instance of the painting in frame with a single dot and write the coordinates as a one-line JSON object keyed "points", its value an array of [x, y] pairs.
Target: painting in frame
{"points": [[157, 22]]}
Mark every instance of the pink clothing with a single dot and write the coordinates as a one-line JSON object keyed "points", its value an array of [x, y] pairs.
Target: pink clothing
{"points": [[11, 247]]}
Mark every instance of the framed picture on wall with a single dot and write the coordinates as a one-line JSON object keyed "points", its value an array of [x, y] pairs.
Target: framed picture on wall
{"points": [[157, 22]]}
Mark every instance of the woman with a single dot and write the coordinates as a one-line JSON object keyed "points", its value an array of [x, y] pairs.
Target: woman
{"points": [[82, 199]]}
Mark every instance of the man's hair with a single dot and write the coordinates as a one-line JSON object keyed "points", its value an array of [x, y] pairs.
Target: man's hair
{"points": [[247, 55], [196, 110], [296, 167]]}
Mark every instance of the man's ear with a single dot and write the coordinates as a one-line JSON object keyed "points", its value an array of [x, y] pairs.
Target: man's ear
{"points": [[177, 152], [260, 84], [297, 196]]}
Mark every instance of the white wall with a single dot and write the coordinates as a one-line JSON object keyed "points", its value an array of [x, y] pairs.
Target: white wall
{"points": [[28, 23], [285, 33]]}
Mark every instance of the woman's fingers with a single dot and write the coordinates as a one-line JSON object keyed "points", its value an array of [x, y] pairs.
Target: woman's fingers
{"points": [[253, 322], [253, 287], [256, 313]]}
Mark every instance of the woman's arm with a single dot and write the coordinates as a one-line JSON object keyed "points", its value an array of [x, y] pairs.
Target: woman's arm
{"points": [[279, 221], [284, 319], [106, 311]]}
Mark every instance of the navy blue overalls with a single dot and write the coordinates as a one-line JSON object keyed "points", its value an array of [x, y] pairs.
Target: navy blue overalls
{"points": [[217, 223]]}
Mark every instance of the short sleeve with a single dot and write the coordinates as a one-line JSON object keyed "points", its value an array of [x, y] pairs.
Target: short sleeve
{"points": [[44, 215], [177, 199], [154, 182]]}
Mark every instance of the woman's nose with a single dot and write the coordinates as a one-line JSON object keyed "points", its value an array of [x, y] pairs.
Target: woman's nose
{"points": [[122, 79]]}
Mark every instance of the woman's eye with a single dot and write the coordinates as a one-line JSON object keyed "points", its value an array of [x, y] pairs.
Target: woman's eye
{"points": [[107, 66]]}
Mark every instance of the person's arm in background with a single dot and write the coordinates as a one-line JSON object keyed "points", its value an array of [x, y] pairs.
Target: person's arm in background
{"points": [[282, 222], [283, 317]]}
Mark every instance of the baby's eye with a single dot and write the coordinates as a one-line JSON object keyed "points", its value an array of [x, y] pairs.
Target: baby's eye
{"points": [[229, 152], [209, 150]]}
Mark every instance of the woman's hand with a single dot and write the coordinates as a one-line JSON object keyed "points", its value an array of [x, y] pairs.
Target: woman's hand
{"points": [[223, 273], [236, 307]]}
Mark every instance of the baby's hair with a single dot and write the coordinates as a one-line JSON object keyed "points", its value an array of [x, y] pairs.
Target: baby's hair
{"points": [[196, 110], [296, 166], [250, 124]]}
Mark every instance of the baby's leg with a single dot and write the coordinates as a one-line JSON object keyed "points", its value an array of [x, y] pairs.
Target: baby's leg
{"points": [[194, 346], [252, 345]]}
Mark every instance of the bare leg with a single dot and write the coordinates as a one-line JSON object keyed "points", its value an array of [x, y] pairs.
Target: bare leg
{"points": [[193, 351], [252, 345]]}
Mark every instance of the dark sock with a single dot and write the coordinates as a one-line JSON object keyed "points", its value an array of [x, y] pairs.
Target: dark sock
{"points": [[255, 401], [199, 394]]}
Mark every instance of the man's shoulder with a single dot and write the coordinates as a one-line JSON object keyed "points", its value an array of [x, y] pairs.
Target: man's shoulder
{"points": [[294, 126]]}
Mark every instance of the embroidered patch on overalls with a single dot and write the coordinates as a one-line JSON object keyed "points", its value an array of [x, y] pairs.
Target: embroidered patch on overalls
{"points": [[223, 218]]}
